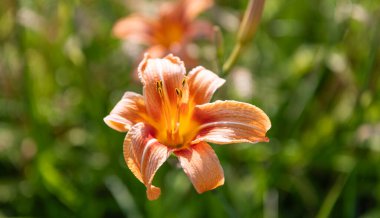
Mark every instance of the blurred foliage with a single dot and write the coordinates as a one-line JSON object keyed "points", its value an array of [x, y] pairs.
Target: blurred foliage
{"points": [[314, 67]]}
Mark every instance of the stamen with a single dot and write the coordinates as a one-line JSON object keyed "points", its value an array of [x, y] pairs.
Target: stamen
{"points": [[159, 84], [182, 104], [159, 88], [178, 92], [174, 112], [184, 82], [185, 91], [164, 103], [179, 104]]}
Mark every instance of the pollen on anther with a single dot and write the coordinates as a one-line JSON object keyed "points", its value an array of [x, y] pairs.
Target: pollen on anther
{"points": [[178, 92], [159, 84], [159, 87]]}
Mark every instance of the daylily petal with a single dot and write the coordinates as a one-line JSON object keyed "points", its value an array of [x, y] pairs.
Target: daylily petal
{"points": [[225, 122], [171, 10], [157, 51], [184, 10], [202, 166], [135, 28], [194, 7], [128, 111], [176, 25], [168, 71], [144, 155], [202, 84]]}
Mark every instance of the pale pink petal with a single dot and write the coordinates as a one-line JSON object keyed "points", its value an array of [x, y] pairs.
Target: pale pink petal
{"points": [[225, 122], [157, 51], [202, 166], [170, 71], [171, 10], [194, 7], [184, 10], [128, 111], [136, 28], [144, 155], [202, 84]]}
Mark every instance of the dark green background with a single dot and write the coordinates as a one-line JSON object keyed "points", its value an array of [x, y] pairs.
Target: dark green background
{"points": [[315, 68]]}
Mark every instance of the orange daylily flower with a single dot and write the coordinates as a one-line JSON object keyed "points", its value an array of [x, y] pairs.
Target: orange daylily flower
{"points": [[170, 32], [173, 116]]}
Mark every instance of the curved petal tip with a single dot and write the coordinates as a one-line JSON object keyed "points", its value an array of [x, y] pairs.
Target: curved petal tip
{"points": [[174, 59], [153, 193], [113, 123]]}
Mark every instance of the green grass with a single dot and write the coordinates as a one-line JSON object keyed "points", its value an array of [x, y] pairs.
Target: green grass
{"points": [[315, 67]]}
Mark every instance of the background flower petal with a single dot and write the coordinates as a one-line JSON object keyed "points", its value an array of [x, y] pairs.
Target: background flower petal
{"points": [[225, 122], [144, 155], [128, 111], [135, 28], [156, 51], [202, 166], [202, 84], [193, 8]]}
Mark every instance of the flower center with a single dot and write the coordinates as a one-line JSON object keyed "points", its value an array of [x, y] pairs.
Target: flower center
{"points": [[176, 120], [170, 33]]}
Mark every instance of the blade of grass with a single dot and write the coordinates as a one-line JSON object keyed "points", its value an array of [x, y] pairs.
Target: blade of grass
{"points": [[333, 195], [122, 196]]}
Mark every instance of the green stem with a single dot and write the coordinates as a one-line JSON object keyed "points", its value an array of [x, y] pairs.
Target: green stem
{"points": [[232, 59], [247, 30]]}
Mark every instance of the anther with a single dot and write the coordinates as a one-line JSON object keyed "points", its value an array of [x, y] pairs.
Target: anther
{"points": [[183, 82], [178, 92], [159, 87], [159, 84]]}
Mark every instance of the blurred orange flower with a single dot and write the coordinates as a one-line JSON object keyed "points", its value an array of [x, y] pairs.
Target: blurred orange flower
{"points": [[173, 116], [170, 32]]}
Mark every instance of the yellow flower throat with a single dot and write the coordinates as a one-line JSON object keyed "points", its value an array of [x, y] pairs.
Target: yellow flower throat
{"points": [[176, 126]]}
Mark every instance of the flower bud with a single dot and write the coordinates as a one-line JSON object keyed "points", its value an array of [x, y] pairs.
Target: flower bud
{"points": [[250, 20]]}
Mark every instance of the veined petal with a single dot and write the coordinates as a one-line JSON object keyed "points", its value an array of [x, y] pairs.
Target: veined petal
{"points": [[225, 122], [169, 72], [202, 166], [144, 155], [202, 84], [135, 28], [128, 111]]}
